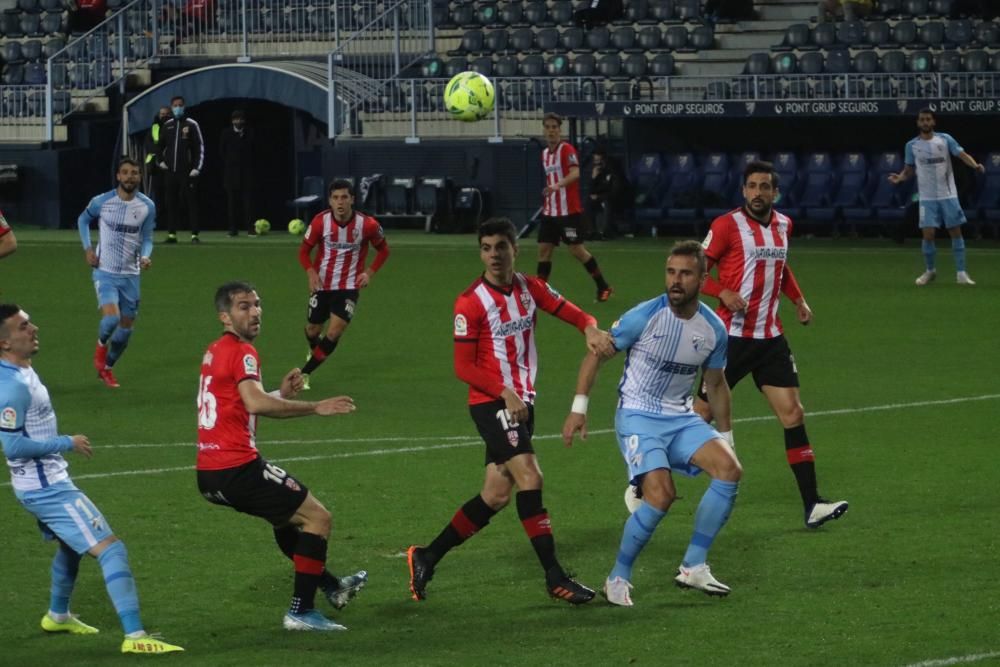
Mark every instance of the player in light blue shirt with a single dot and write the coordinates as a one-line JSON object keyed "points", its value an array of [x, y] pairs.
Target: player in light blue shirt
{"points": [[667, 341], [34, 449], [126, 219], [929, 156]]}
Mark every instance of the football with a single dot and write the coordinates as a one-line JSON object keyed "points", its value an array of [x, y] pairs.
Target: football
{"points": [[469, 96], [262, 226], [296, 226]]}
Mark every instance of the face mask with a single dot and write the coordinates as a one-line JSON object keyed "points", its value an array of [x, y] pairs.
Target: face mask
{"points": [[178, 112], [238, 126]]}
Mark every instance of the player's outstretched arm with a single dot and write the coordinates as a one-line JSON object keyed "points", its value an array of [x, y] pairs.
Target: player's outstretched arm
{"points": [[719, 399], [904, 175], [971, 162], [576, 420], [259, 402]]}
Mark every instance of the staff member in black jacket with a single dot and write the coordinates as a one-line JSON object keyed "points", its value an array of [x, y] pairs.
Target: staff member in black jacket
{"points": [[236, 145], [182, 154]]}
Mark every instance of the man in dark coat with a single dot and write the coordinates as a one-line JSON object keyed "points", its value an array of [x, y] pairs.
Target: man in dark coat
{"points": [[236, 144]]}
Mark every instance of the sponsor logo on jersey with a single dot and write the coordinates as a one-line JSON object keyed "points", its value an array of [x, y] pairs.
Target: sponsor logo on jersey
{"points": [[770, 253], [249, 364], [708, 240], [679, 369], [461, 325], [513, 327], [338, 245], [8, 418]]}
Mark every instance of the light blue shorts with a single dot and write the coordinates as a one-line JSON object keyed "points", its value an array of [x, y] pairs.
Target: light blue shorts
{"points": [[649, 441], [937, 212], [65, 512], [121, 290]]}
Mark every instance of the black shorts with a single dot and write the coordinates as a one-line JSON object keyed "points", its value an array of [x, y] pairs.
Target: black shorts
{"points": [[257, 488], [565, 228], [324, 303], [769, 360], [503, 440]]}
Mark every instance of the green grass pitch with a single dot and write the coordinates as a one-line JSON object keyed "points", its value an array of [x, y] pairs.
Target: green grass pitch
{"points": [[901, 383]]}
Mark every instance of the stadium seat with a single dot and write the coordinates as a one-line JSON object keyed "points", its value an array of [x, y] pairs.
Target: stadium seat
{"points": [[547, 39], [941, 8], [486, 14], [532, 66], [852, 197], [52, 5], [31, 25], [893, 62], [932, 34], [597, 39], [463, 15], [571, 39], [472, 42], [635, 12], [702, 37], [916, 8], [649, 38], [398, 196], [888, 8], [483, 65], [53, 23], [511, 13], [561, 13], [609, 65], [811, 63], [635, 65], [455, 65], [958, 33], [62, 100], [10, 24], [786, 166], [535, 13], [687, 10], [878, 33], [585, 64], [716, 185], [432, 67], [987, 33], [837, 61], [31, 50], [648, 177], [675, 37], [522, 40], [52, 45], [13, 74], [495, 41], [681, 199], [850, 33], [12, 53], [557, 65], [948, 61], [976, 61], [798, 36], [904, 33], [28, 5], [439, 14], [662, 64], [514, 96], [819, 182], [825, 35], [888, 201], [757, 63], [921, 61], [660, 11], [623, 38], [865, 62]]}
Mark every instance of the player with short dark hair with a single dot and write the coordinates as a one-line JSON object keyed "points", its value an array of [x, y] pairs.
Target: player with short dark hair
{"points": [[750, 246], [668, 339], [231, 471], [495, 354], [928, 155], [562, 214], [34, 450], [337, 273], [126, 219]]}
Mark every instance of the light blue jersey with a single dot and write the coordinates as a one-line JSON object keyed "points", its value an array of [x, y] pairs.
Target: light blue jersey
{"points": [[125, 230], [664, 355], [28, 430], [931, 159]]}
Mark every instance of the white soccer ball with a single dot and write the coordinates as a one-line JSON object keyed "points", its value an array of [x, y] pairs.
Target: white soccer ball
{"points": [[631, 501]]}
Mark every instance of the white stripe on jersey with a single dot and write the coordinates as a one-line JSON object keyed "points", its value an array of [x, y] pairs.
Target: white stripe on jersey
{"points": [[352, 267], [769, 301], [81, 525], [557, 203]]}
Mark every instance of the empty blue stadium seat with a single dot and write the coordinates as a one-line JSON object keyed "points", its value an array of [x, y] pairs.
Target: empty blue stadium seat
{"points": [[683, 189], [878, 33], [852, 195], [904, 33], [958, 33], [786, 166], [716, 184], [819, 182], [784, 63], [649, 38], [648, 177], [887, 200]]}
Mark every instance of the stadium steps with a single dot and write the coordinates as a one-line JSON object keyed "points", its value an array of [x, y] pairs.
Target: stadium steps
{"points": [[787, 11]]}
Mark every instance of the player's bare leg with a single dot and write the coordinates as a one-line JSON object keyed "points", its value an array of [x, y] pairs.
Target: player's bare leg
{"points": [[787, 407]]}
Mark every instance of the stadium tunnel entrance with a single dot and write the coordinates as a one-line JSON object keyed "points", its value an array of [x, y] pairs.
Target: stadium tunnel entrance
{"points": [[285, 105]]}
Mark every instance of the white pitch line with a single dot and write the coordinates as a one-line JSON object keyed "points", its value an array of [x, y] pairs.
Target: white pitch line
{"points": [[463, 441], [957, 660]]}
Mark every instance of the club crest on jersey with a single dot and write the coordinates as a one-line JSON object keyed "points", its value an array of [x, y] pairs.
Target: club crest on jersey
{"points": [[525, 299], [249, 364], [513, 438], [8, 418], [707, 241], [461, 325], [696, 342]]}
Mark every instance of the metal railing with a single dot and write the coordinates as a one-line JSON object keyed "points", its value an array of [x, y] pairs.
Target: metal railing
{"points": [[368, 63]]}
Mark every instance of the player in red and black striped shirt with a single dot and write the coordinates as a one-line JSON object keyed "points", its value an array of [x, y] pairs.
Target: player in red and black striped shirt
{"points": [[337, 272], [495, 355]]}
